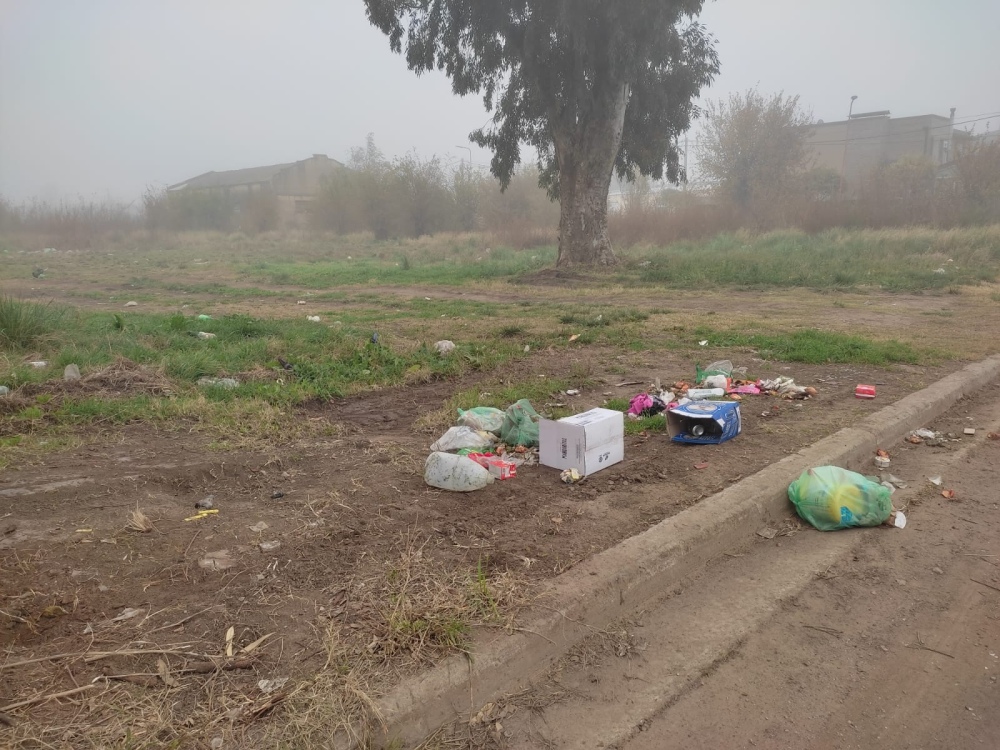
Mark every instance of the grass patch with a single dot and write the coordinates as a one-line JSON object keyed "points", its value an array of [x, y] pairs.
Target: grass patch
{"points": [[598, 318], [24, 323], [898, 260], [814, 346], [433, 265]]}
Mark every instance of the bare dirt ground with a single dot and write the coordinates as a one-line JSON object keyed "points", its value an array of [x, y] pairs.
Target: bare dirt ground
{"points": [[87, 603], [893, 644], [345, 511]]}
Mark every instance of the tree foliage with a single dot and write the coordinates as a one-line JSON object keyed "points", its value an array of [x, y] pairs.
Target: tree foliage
{"points": [[592, 85], [753, 147]]}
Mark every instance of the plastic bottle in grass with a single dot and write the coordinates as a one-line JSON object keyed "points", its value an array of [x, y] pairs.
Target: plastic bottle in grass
{"points": [[447, 471]]}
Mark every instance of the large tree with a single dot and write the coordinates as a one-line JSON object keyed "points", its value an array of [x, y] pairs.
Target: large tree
{"points": [[593, 86]]}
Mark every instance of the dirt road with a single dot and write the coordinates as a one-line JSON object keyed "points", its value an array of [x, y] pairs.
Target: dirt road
{"points": [[860, 639]]}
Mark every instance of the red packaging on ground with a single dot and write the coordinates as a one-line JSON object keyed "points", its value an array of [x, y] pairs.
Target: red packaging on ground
{"points": [[499, 468], [865, 391]]}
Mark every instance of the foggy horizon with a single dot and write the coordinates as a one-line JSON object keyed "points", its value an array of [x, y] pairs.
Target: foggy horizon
{"points": [[106, 98]]}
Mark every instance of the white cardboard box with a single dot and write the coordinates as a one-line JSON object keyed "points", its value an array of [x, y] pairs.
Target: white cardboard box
{"points": [[587, 442]]}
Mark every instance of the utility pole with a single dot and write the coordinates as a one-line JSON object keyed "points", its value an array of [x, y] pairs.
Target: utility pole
{"points": [[847, 143]]}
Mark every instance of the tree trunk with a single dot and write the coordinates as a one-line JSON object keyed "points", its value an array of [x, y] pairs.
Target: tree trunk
{"points": [[586, 159]]}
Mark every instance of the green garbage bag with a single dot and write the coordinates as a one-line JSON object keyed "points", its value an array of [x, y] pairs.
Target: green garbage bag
{"points": [[484, 418], [832, 498], [520, 425]]}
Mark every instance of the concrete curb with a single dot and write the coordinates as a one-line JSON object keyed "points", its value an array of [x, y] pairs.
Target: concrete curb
{"points": [[618, 581]]}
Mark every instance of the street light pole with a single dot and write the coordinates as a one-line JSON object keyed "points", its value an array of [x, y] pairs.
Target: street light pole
{"points": [[470, 154], [847, 143]]}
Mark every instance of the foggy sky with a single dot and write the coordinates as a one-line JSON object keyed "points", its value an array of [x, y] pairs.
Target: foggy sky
{"points": [[105, 97]]}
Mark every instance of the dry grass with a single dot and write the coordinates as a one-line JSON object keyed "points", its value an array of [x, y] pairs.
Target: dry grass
{"points": [[416, 612], [139, 521]]}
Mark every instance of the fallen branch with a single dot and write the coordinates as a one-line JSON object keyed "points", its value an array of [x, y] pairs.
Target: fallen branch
{"points": [[204, 667], [45, 698], [822, 629], [53, 657], [987, 585], [98, 655], [14, 617]]}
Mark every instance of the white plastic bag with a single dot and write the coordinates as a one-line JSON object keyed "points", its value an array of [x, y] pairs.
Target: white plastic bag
{"points": [[447, 471], [457, 438]]}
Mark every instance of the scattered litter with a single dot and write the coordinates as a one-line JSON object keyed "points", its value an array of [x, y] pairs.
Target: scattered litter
{"points": [[277, 495], [574, 337], [203, 514], [4, 390], [259, 527], [702, 465], [269, 686], [889, 486], [948, 494], [700, 394], [645, 405], [204, 317], [520, 425], [374, 338], [205, 336], [925, 434], [865, 391], [498, 467], [703, 343], [969, 431], [205, 503], [457, 438], [269, 546], [588, 442], [937, 571], [447, 471], [786, 388], [218, 560], [570, 476], [896, 481], [227, 383], [131, 303], [936, 481], [572, 392], [898, 519], [38, 364], [444, 347], [831, 498], [704, 422], [882, 462], [71, 372], [301, 302], [313, 318], [527, 348], [767, 532]]}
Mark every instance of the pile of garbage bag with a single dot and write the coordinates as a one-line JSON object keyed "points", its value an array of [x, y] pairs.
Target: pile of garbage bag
{"points": [[486, 445]]}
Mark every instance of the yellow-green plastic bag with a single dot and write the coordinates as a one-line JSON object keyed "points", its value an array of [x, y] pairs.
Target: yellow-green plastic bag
{"points": [[832, 498]]}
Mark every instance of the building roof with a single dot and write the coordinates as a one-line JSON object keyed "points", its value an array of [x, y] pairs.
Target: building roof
{"points": [[234, 177], [251, 176]]}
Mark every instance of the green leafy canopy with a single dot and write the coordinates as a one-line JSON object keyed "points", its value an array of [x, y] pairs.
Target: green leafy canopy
{"points": [[548, 69]]}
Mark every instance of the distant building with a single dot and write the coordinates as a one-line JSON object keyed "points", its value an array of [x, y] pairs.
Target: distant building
{"points": [[855, 147], [295, 185]]}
